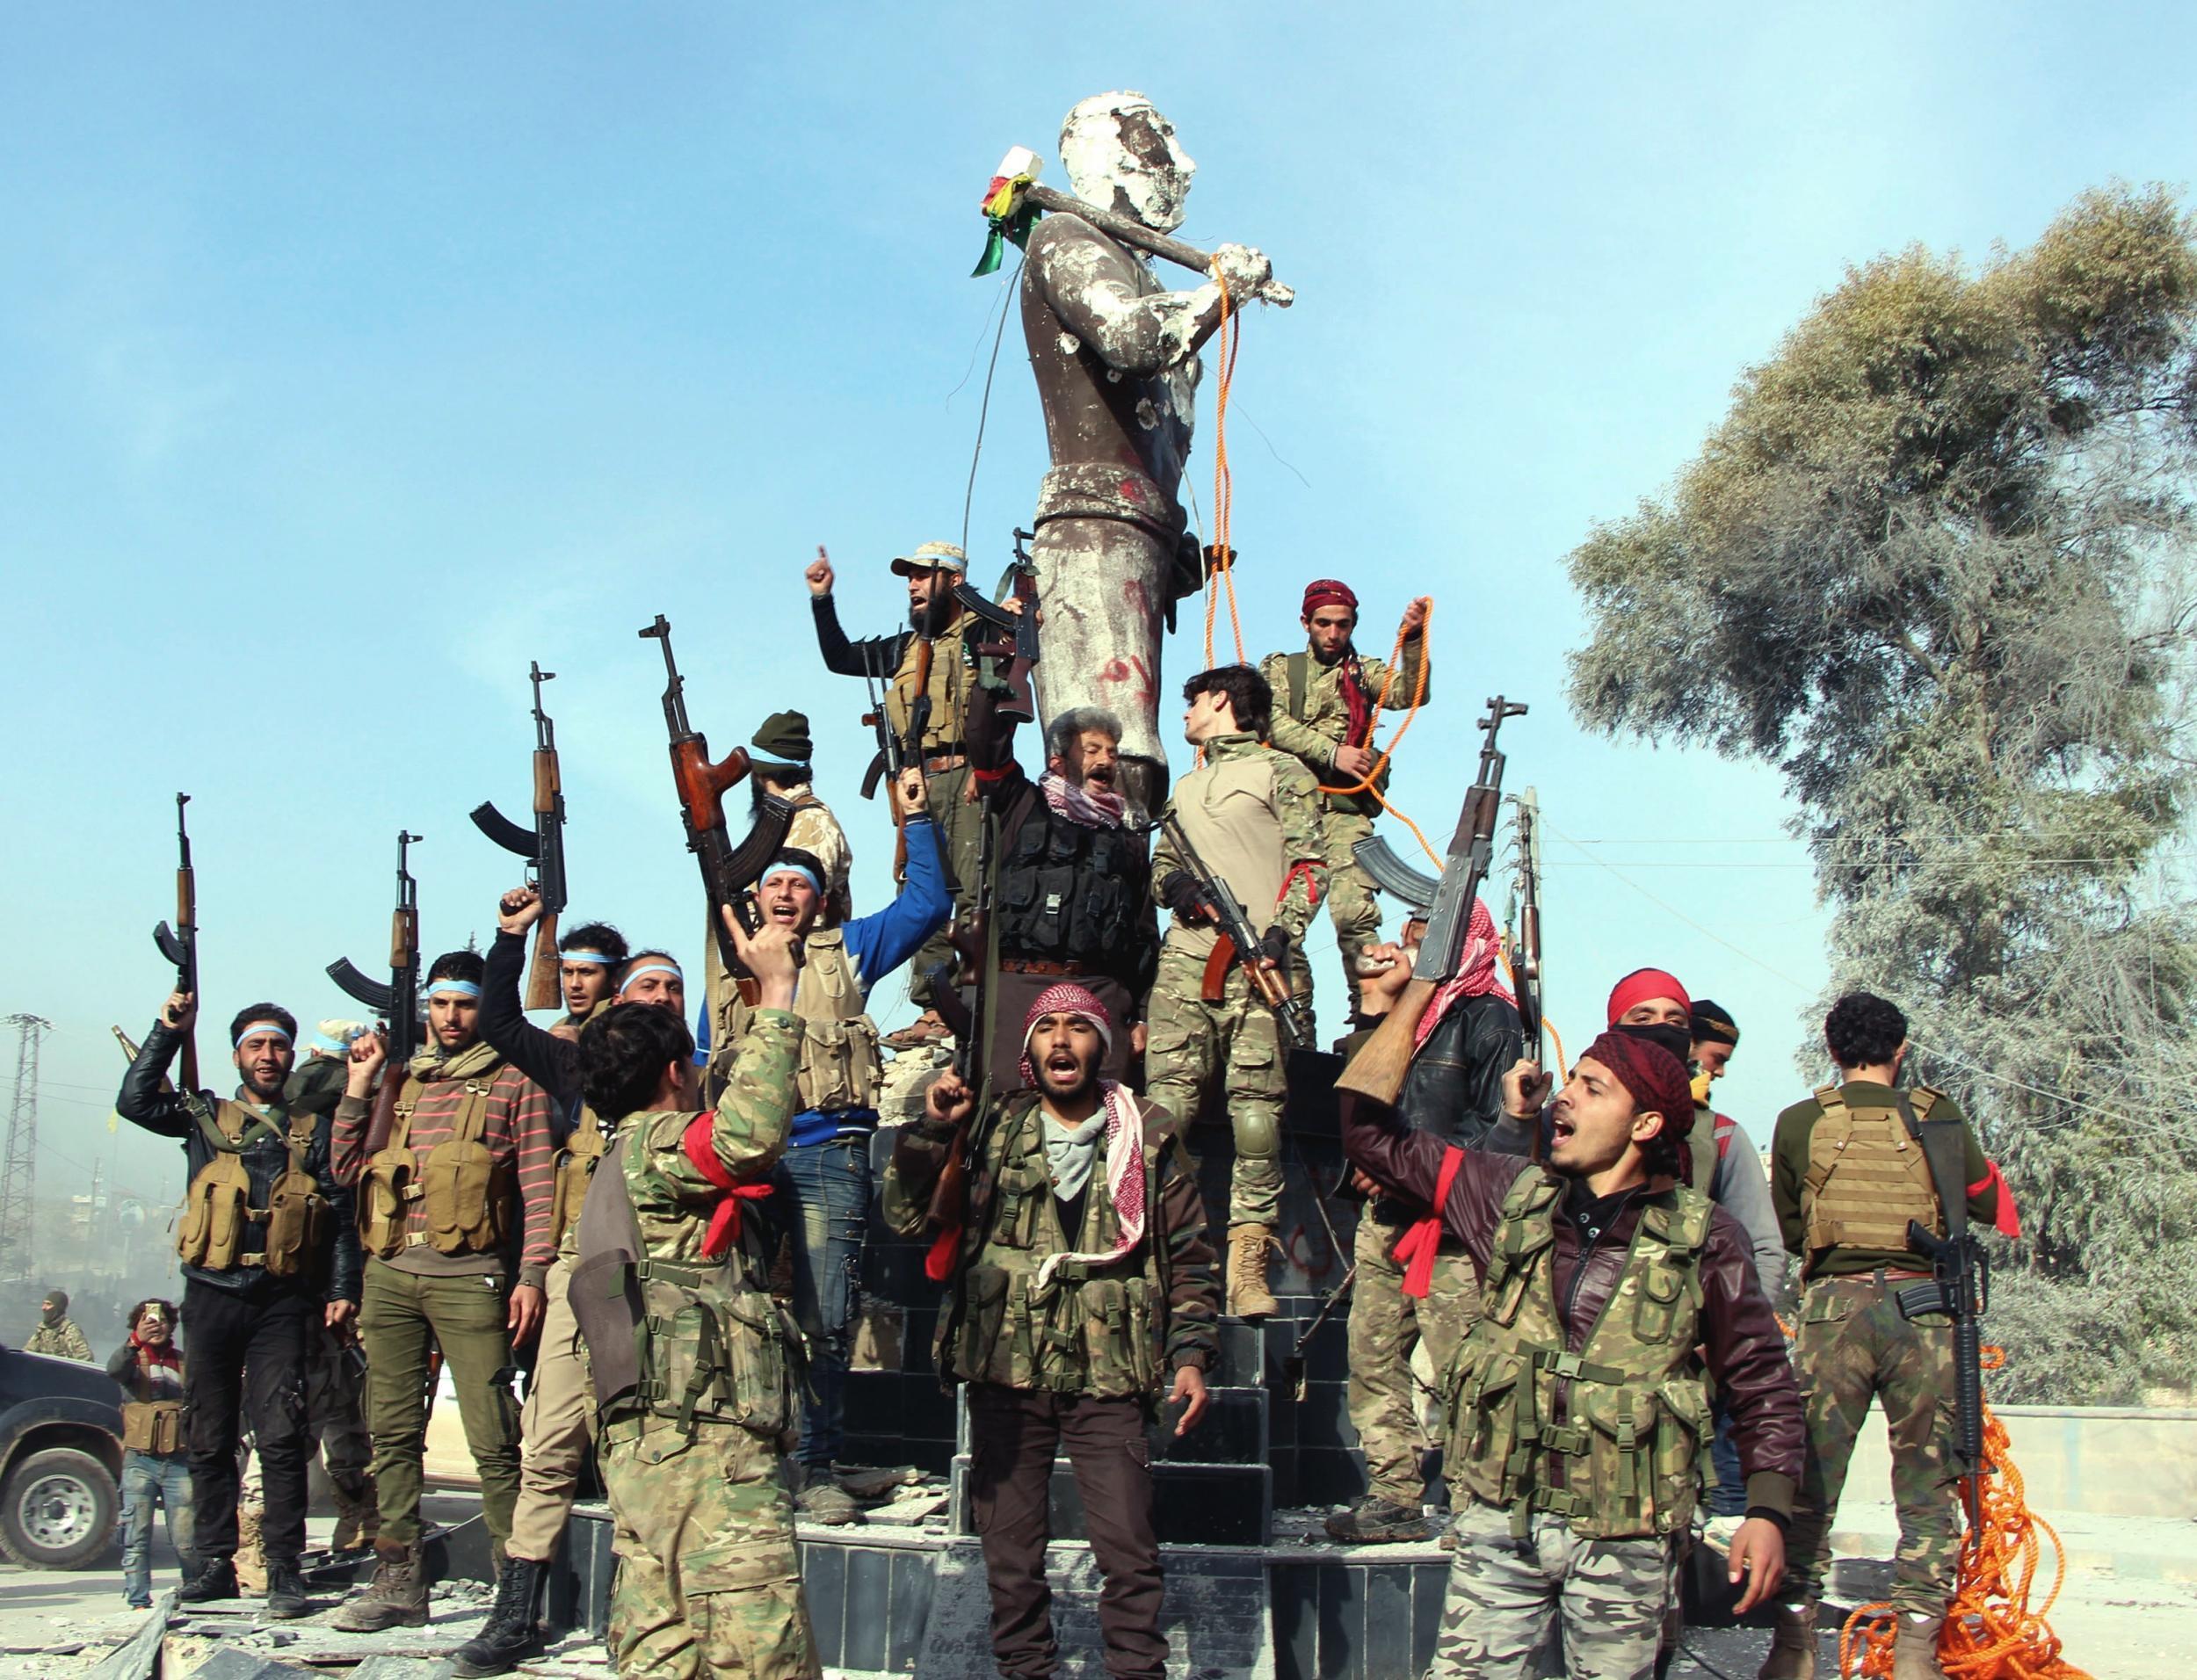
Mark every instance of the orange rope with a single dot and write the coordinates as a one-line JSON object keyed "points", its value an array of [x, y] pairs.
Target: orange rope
{"points": [[1364, 785], [1230, 333], [1991, 1632]]}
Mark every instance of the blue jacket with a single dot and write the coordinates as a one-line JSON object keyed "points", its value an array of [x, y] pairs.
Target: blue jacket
{"points": [[876, 944]]}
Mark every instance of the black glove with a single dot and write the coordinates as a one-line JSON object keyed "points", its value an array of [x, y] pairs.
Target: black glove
{"points": [[1180, 892], [1274, 944]]}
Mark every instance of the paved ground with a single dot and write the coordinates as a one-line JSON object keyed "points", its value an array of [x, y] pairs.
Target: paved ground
{"points": [[2124, 1614]]}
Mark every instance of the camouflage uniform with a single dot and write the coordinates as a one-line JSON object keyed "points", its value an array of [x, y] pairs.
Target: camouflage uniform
{"points": [[1853, 1345], [60, 1339], [1310, 719], [1252, 813], [1385, 1326], [709, 1577], [1608, 1595]]}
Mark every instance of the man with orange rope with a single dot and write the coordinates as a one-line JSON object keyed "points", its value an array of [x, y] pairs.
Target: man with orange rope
{"points": [[1848, 1173], [1328, 701]]}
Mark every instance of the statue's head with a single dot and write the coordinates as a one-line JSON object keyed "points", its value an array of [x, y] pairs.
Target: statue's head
{"points": [[1121, 154]]}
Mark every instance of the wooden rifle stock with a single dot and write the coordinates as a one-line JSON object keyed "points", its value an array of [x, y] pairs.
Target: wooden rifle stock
{"points": [[1377, 1070], [188, 917], [382, 1120], [545, 973], [702, 785]]}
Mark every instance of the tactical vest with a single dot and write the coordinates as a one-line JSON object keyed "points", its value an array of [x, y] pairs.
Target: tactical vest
{"points": [[152, 1425], [698, 1343], [839, 1066], [1868, 1175], [1084, 1331], [1298, 685], [1606, 1437], [1068, 893], [575, 1166], [951, 679], [466, 1191], [217, 1212]]}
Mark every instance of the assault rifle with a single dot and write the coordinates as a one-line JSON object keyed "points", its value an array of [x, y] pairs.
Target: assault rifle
{"points": [[542, 847], [894, 751], [180, 944], [1378, 1068], [1018, 651], [728, 870], [1526, 959], [976, 952], [1241, 942], [1960, 1288], [397, 1003]]}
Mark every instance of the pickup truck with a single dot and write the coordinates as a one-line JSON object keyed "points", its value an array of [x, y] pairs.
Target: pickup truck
{"points": [[61, 1459]]}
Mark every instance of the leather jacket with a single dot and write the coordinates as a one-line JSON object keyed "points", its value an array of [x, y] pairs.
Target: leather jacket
{"points": [[1745, 1349], [336, 1274]]}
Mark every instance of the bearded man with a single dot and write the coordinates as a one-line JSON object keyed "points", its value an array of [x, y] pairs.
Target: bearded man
{"points": [[1074, 896], [1083, 1221]]}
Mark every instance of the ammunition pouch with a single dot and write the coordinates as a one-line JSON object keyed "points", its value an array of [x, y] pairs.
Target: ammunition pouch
{"points": [[713, 1349], [575, 1166], [216, 1214], [386, 1189], [152, 1426], [467, 1189]]}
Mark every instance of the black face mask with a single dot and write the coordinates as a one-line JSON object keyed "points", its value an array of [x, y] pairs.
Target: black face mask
{"points": [[1676, 1039]]}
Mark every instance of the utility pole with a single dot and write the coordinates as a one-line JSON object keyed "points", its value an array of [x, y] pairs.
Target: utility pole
{"points": [[22, 1160]]}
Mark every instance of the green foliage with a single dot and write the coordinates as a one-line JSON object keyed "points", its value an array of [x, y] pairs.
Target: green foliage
{"points": [[1935, 564]]}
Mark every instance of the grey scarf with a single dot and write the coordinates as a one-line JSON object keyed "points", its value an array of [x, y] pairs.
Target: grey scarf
{"points": [[1068, 1154]]}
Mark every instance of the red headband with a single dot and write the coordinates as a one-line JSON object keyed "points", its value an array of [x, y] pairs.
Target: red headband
{"points": [[1327, 591], [1643, 984]]}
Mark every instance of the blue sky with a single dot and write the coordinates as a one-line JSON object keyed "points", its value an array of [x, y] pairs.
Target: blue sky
{"points": [[355, 357]]}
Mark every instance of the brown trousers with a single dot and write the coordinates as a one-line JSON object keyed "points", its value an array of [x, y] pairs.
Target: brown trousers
{"points": [[1013, 1434]]}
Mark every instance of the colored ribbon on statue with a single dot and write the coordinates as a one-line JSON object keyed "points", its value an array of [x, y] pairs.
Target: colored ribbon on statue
{"points": [[724, 1218], [1419, 1245], [1009, 217]]}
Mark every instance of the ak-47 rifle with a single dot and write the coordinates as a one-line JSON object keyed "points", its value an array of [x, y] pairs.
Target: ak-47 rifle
{"points": [[1526, 959], [728, 870], [896, 752], [1960, 1288], [397, 1003], [542, 847], [1378, 1068], [1240, 941], [180, 944], [969, 1014], [1018, 651]]}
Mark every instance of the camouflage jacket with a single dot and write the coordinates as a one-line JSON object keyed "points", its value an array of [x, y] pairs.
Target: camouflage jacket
{"points": [[1254, 815], [1310, 725]]}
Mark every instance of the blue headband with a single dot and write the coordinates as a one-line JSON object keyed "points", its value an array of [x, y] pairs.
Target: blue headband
{"points": [[322, 1041], [670, 968], [452, 983], [787, 866], [584, 956], [253, 1029]]}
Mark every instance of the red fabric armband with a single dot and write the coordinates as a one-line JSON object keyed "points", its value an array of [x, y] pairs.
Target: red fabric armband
{"points": [[2008, 1222], [1421, 1243], [724, 1218], [987, 777], [937, 1264], [1311, 881]]}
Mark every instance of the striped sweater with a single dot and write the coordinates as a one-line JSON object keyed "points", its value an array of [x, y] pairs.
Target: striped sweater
{"points": [[517, 1128]]}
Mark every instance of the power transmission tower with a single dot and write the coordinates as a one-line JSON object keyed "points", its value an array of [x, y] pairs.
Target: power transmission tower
{"points": [[22, 1162]]}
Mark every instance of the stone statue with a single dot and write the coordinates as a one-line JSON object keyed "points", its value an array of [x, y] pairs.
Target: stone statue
{"points": [[1116, 359]]}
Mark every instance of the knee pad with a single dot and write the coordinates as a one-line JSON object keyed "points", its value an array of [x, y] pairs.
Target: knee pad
{"points": [[1258, 1134]]}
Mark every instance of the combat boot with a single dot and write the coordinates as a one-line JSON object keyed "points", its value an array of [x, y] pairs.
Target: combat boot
{"points": [[1375, 1521], [216, 1579], [287, 1597], [358, 1517], [1915, 1648], [1247, 1294], [509, 1635], [1792, 1646], [395, 1597]]}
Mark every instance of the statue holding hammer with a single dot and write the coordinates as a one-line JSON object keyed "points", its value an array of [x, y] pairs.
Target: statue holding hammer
{"points": [[1115, 354]]}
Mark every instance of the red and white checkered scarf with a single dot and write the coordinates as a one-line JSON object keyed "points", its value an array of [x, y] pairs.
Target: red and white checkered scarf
{"points": [[1124, 1139]]}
